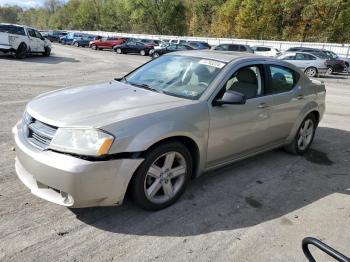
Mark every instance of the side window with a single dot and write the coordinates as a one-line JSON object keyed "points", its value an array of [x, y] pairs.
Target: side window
{"points": [[242, 48], [38, 35], [31, 33], [234, 48], [222, 47], [247, 81], [300, 56], [282, 79]]}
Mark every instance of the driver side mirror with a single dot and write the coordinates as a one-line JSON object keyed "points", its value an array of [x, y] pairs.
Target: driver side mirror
{"points": [[230, 98]]}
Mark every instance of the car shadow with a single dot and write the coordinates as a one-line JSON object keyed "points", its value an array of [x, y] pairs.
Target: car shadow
{"points": [[244, 194], [335, 76], [33, 58]]}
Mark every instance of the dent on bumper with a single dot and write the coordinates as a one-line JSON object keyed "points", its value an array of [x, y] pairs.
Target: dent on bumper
{"points": [[71, 181]]}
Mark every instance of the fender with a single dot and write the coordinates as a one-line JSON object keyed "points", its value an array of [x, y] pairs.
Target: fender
{"points": [[312, 106]]}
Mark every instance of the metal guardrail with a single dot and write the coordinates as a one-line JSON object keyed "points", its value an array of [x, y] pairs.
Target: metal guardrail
{"points": [[340, 49], [323, 247]]}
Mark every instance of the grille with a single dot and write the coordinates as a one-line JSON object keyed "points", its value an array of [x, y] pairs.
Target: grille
{"points": [[38, 133]]}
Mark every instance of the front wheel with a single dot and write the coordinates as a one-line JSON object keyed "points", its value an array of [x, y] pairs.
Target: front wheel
{"points": [[119, 51], [94, 47], [143, 52], [155, 55], [311, 71], [76, 44], [162, 177], [47, 51], [330, 70], [304, 137]]}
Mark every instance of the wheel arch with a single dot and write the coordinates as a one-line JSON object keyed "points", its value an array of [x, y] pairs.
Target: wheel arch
{"points": [[311, 108], [188, 142]]}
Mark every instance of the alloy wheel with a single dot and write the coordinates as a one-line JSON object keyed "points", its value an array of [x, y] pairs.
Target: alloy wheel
{"points": [[311, 72], [165, 177], [119, 51], [305, 135], [330, 70], [143, 52]]}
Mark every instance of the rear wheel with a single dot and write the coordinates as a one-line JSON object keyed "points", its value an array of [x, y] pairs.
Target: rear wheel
{"points": [[21, 51], [119, 51], [162, 177], [311, 71], [76, 44], [93, 47], [304, 137]]}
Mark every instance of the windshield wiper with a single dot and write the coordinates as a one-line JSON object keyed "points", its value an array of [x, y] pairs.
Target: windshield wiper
{"points": [[144, 86]]}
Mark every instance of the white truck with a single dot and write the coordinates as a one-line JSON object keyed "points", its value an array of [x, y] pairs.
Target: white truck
{"points": [[22, 40]]}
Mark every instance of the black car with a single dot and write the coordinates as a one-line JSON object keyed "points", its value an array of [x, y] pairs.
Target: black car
{"points": [[171, 48], [133, 47], [54, 36], [334, 63]]}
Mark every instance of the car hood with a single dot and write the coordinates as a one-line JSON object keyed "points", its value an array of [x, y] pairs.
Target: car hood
{"points": [[99, 105]]}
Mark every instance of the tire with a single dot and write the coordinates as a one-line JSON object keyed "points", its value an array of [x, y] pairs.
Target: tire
{"points": [[307, 136], [155, 55], [119, 51], [76, 44], [167, 186], [47, 51], [93, 47], [143, 52], [330, 70], [311, 71], [21, 52]]}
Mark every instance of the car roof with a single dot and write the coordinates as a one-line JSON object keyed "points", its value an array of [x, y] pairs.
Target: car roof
{"points": [[24, 26], [223, 56]]}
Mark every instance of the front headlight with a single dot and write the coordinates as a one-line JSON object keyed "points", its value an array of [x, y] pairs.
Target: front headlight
{"points": [[89, 142]]}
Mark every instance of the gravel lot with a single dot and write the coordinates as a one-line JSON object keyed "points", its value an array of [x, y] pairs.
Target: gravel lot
{"points": [[256, 210]]}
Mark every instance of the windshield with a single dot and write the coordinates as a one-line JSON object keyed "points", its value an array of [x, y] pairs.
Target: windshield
{"points": [[180, 76]]}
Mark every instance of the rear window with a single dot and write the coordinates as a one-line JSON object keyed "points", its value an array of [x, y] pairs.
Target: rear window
{"points": [[12, 29]]}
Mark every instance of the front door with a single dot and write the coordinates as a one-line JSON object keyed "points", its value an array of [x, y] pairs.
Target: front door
{"points": [[32, 40], [239, 129]]}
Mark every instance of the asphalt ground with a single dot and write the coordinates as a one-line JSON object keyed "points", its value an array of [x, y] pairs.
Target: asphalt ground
{"points": [[256, 210]]}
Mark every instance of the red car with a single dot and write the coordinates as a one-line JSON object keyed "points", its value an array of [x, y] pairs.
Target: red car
{"points": [[106, 43]]}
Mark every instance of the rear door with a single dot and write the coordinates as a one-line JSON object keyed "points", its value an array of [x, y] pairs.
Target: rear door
{"points": [[303, 61], [288, 99]]}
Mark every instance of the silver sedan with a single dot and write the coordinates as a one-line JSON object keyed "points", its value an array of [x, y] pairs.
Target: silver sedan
{"points": [[161, 125]]}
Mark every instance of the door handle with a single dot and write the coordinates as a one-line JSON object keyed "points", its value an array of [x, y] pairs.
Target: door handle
{"points": [[299, 97], [263, 105]]}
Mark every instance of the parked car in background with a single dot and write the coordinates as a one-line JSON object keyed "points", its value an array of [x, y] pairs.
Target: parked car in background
{"points": [[22, 40], [165, 123], [177, 41], [83, 41], [133, 47], [170, 48], [234, 47], [55, 36], [311, 64], [70, 37], [266, 51], [334, 63], [152, 42], [106, 43], [198, 44]]}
